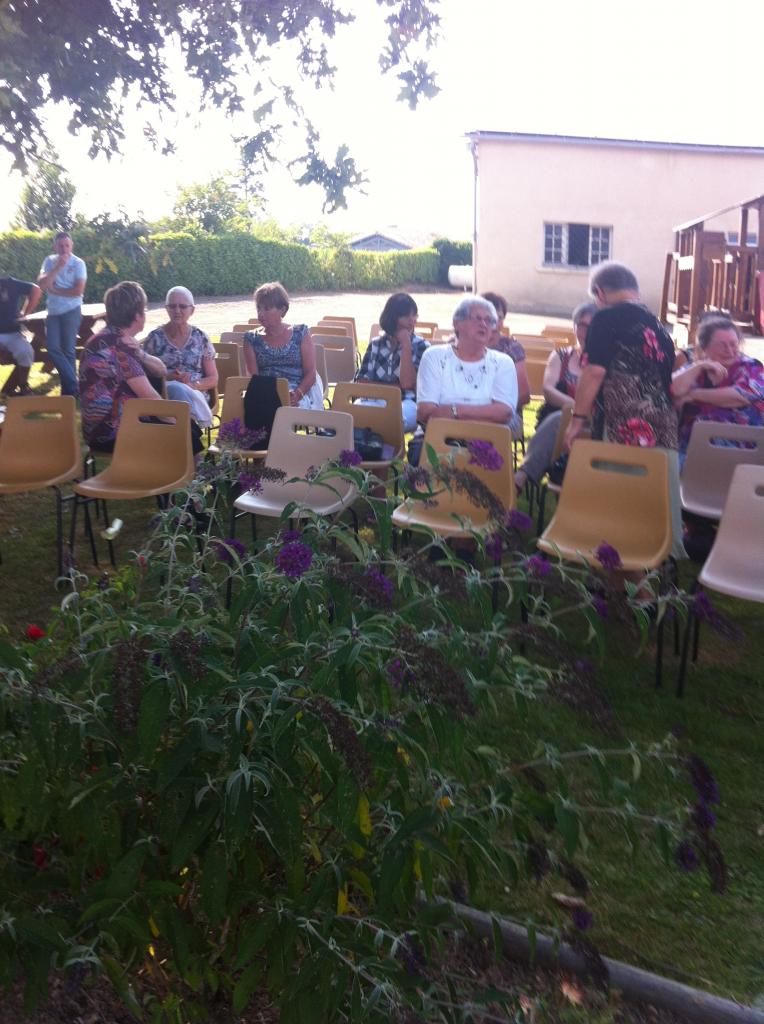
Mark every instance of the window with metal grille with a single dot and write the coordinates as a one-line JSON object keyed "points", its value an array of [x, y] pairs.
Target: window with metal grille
{"points": [[554, 243]]}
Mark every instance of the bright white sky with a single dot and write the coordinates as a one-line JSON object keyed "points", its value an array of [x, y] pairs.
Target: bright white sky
{"points": [[665, 69]]}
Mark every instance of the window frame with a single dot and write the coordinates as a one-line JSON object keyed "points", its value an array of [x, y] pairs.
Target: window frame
{"points": [[556, 236]]}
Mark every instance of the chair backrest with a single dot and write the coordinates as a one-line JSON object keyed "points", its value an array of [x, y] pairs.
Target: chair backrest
{"points": [[235, 337], [340, 356], [241, 328], [228, 360], [321, 368], [450, 437], [553, 332], [152, 455], [386, 419], [712, 455], [735, 564], [425, 329], [618, 494], [333, 329], [559, 443], [254, 321], [39, 440], [233, 397], [442, 334], [349, 320], [531, 341], [295, 451], [535, 368], [374, 331]]}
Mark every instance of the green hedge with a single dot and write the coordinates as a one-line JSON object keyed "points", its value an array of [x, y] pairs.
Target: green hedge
{"points": [[230, 264], [451, 253]]}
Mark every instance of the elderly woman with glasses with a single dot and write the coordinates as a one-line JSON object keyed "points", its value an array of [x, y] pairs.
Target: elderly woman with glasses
{"points": [[187, 355], [468, 380]]}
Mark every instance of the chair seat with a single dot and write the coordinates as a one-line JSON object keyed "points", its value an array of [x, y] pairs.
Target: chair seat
{"points": [[642, 554], [27, 478], [245, 454], [103, 488], [317, 498], [699, 508], [417, 516]]}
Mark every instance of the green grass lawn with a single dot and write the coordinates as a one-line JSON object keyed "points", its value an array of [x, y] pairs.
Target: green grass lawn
{"points": [[645, 912]]}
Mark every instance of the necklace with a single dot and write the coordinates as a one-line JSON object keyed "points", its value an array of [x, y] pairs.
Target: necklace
{"points": [[474, 375]]}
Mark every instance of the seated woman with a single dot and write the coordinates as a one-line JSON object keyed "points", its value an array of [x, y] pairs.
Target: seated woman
{"points": [[560, 378], [722, 385], [468, 380], [187, 355], [516, 352], [283, 350], [394, 356], [114, 367]]}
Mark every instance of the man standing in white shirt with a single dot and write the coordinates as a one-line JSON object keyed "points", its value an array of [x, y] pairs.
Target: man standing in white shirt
{"points": [[62, 278]]}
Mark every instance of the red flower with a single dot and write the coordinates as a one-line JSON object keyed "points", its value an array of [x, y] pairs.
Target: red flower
{"points": [[637, 433], [34, 633], [651, 349], [40, 857]]}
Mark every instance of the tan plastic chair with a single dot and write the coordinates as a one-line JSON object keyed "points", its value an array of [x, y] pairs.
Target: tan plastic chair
{"points": [[150, 459], [233, 409], [254, 321], [374, 331], [735, 565], [241, 328], [616, 494], [535, 368], [564, 334], [426, 329], [295, 453], [453, 514], [321, 369], [333, 329], [39, 448], [340, 356], [441, 334], [235, 337], [229, 360], [386, 420], [708, 467], [349, 320]]}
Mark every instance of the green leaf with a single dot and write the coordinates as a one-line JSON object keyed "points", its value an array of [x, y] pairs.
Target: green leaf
{"points": [[155, 706], [192, 832], [498, 941], [254, 936], [214, 888], [568, 824]]}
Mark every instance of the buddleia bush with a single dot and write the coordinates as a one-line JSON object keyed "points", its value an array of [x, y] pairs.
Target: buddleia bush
{"points": [[232, 769]]}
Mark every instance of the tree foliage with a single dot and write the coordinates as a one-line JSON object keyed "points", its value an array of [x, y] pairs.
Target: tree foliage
{"points": [[212, 207], [46, 199], [102, 57]]}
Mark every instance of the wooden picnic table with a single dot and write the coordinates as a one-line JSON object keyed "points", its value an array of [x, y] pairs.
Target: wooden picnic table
{"points": [[35, 322]]}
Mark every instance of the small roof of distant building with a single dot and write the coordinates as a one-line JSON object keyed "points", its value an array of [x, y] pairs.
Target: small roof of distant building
{"points": [[377, 242], [593, 140]]}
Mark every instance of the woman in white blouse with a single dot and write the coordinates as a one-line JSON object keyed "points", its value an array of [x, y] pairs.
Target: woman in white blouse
{"points": [[468, 380]]}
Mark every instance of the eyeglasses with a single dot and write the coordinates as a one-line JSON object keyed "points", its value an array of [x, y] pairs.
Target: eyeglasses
{"points": [[177, 305], [487, 321]]}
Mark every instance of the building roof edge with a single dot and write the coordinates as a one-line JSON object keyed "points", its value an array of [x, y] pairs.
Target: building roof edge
{"points": [[593, 140]]}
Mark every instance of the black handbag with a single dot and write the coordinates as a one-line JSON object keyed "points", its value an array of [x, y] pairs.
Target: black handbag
{"points": [[368, 443]]}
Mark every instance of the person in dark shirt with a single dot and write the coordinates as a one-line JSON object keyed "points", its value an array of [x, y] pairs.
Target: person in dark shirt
{"points": [[17, 299], [625, 384]]}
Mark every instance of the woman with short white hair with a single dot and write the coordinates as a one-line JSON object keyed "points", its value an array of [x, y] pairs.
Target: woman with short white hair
{"points": [[187, 353], [468, 380]]}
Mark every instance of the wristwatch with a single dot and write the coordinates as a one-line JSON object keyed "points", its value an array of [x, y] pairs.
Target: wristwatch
{"points": [[454, 411]]}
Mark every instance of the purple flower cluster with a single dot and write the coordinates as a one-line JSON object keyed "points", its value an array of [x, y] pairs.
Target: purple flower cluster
{"points": [[600, 605], [608, 557], [294, 559], [538, 567], [250, 482], [582, 918], [290, 536], [702, 779], [416, 476], [703, 818], [686, 856], [349, 457], [236, 434], [484, 455], [399, 674], [379, 588], [517, 520], [228, 548]]}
